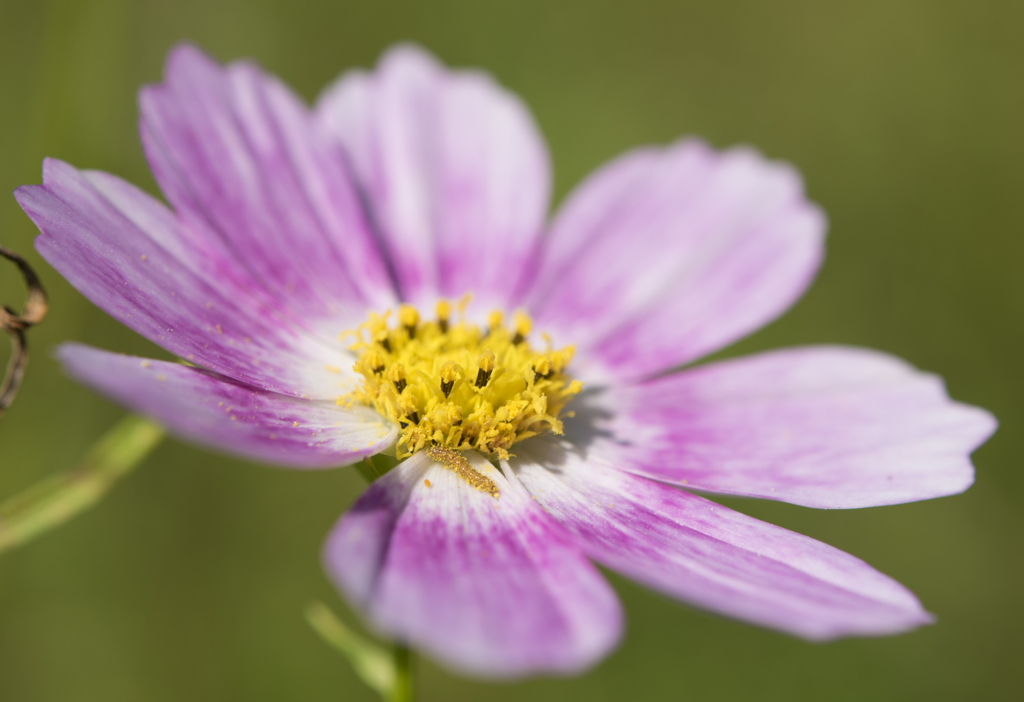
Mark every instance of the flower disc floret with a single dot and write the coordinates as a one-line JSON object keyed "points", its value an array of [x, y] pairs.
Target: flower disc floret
{"points": [[459, 386]]}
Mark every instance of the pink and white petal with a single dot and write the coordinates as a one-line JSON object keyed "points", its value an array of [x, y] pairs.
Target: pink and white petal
{"points": [[711, 556], [163, 227], [455, 171], [222, 414], [828, 426], [205, 257], [93, 233], [666, 255], [241, 160], [489, 586]]}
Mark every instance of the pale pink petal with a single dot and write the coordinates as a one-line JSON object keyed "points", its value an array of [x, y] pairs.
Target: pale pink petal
{"points": [[454, 169], [229, 416], [829, 426], [666, 255], [120, 248], [487, 585], [710, 556], [241, 160]]}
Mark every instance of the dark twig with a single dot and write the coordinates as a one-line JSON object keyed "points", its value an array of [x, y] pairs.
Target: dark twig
{"points": [[15, 325], [15, 368]]}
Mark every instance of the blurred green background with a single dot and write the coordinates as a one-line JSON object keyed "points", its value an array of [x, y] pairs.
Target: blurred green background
{"points": [[907, 120]]}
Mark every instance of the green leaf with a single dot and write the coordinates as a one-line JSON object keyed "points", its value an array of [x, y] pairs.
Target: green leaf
{"points": [[56, 499]]}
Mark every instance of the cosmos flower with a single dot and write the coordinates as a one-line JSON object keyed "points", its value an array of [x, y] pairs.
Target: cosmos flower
{"points": [[377, 275]]}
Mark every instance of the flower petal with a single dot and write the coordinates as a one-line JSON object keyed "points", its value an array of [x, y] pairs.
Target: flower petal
{"points": [[829, 427], [664, 256], [92, 233], [454, 169], [490, 586], [242, 161], [235, 418], [711, 556]]}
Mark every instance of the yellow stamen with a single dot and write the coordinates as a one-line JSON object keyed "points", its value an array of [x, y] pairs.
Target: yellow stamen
{"points": [[523, 324], [486, 367], [397, 376], [455, 386], [443, 312], [375, 362], [449, 374], [408, 407], [408, 317]]}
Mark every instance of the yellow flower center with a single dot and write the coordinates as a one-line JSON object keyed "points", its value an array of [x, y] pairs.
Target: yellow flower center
{"points": [[457, 386]]}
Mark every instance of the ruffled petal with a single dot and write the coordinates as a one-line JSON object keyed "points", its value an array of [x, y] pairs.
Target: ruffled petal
{"points": [[829, 427], [242, 161], [454, 168], [666, 255], [232, 417], [710, 556], [490, 586], [108, 240]]}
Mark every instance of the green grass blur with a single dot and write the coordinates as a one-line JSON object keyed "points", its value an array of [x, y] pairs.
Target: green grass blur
{"points": [[907, 120]]}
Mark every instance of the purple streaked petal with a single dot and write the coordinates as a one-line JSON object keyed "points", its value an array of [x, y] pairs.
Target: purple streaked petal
{"points": [[242, 162], [666, 255], [489, 586], [229, 416], [711, 556], [92, 234], [454, 168], [831, 427], [206, 257]]}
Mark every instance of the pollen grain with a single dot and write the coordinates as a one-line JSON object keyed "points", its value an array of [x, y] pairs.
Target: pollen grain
{"points": [[457, 463]]}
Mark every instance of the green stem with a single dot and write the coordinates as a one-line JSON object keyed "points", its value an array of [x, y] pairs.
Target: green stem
{"points": [[54, 500], [388, 673], [402, 690]]}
